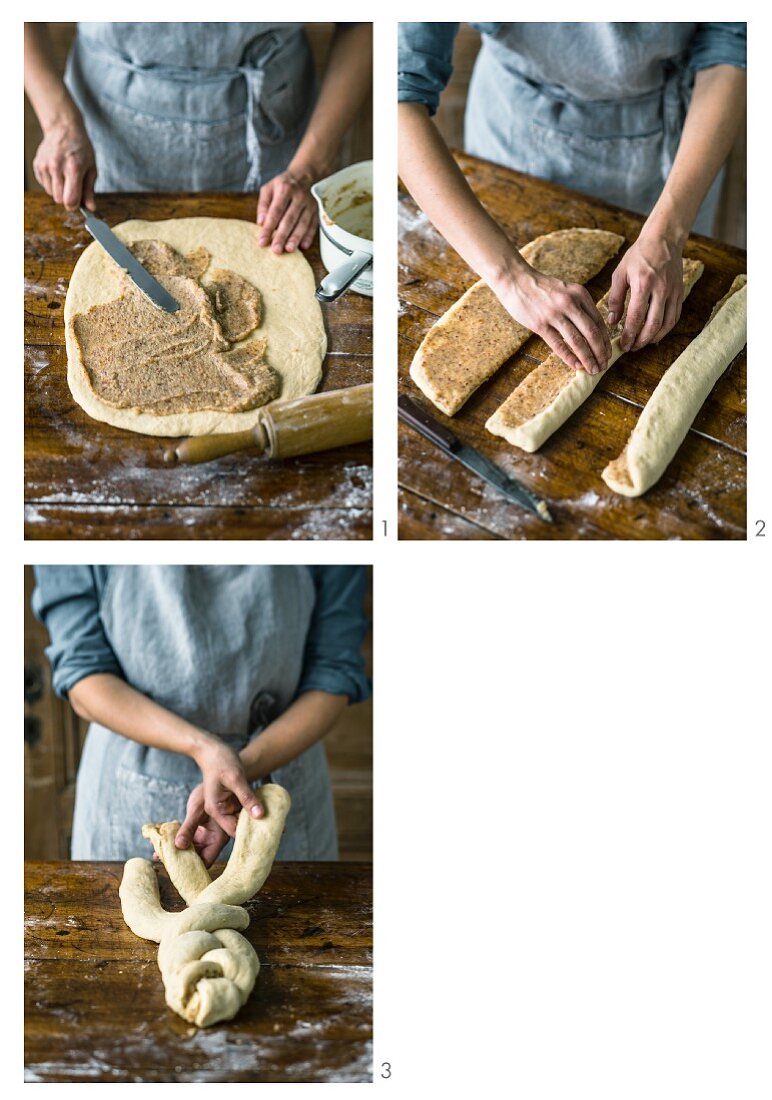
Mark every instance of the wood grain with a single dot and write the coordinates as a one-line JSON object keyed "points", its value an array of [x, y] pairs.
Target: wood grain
{"points": [[86, 479], [702, 494], [95, 1006]]}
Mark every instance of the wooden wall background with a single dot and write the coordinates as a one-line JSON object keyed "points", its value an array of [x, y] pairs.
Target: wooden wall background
{"points": [[357, 145], [731, 223], [53, 739]]}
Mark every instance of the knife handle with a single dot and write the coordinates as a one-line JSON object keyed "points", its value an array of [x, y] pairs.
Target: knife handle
{"points": [[414, 415]]}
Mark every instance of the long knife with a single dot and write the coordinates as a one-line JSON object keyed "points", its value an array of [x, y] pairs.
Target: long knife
{"points": [[115, 247], [426, 426]]}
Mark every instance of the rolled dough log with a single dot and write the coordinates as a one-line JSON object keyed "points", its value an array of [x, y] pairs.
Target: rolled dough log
{"points": [[477, 335], [679, 396], [552, 391], [292, 322], [208, 969]]}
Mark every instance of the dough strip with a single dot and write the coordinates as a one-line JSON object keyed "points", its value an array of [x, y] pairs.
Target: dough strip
{"points": [[477, 335]]}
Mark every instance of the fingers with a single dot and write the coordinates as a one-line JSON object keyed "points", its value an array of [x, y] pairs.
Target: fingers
{"points": [[246, 796], [556, 343], [653, 322], [286, 228], [617, 295], [280, 199], [581, 348], [72, 186], [186, 831], [300, 232], [671, 318], [88, 189], [264, 203], [637, 310], [590, 324], [57, 182], [43, 176], [208, 845]]}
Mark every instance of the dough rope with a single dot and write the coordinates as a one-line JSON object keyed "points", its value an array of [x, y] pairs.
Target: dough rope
{"points": [[679, 395], [208, 968]]}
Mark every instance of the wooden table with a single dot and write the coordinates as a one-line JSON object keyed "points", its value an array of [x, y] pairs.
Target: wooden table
{"points": [[85, 479], [95, 1006], [701, 495]]}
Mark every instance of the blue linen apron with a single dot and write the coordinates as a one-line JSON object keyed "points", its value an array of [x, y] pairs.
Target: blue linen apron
{"points": [[598, 107], [191, 106], [221, 646]]}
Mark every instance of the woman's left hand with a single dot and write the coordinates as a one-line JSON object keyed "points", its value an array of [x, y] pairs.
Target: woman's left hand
{"points": [[286, 212], [201, 830], [653, 272]]}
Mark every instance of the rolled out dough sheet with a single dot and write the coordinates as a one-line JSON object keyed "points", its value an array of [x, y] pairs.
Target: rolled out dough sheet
{"points": [[292, 318], [553, 391], [477, 335], [679, 396]]}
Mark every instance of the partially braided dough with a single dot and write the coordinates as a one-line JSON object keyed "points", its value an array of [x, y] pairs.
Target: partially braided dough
{"points": [[208, 968]]}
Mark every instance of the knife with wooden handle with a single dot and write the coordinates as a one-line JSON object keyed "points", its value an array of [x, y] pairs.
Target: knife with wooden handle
{"points": [[304, 426]]}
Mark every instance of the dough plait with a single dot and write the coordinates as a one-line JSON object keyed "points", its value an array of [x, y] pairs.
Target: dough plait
{"points": [[208, 968]]}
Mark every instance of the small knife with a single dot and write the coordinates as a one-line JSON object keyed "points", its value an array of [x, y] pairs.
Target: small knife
{"points": [[115, 247], [415, 416]]}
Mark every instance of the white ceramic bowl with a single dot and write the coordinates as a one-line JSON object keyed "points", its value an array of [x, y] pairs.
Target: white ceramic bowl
{"points": [[346, 196]]}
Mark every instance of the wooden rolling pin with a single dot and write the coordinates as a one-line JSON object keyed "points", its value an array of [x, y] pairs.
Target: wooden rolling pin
{"points": [[300, 427]]}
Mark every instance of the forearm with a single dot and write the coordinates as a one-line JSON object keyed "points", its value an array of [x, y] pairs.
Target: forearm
{"points": [[712, 124], [302, 724], [110, 701], [435, 181], [346, 82], [50, 100]]}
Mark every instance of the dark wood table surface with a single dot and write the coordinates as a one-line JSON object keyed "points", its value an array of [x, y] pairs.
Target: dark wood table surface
{"points": [[94, 999], [702, 495], [85, 479]]}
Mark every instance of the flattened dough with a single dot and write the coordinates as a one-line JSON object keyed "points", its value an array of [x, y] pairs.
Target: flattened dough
{"points": [[679, 396], [292, 324], [552, 391], [476, 336]]}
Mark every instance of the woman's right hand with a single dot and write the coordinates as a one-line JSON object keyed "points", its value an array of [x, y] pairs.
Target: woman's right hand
{"points": [[563, 314], [65, 165], [225, 785]]}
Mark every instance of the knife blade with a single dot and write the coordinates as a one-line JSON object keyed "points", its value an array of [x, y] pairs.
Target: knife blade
{"points": [[142, 278], [450, 445]]}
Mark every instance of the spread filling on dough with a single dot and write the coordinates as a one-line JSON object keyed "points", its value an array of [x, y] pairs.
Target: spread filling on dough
{"points": [[136, 356]]}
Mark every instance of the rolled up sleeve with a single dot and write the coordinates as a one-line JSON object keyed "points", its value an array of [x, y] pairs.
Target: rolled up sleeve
{"points": [[66, 600], [425, 61], [333, 654], [719, 44]]}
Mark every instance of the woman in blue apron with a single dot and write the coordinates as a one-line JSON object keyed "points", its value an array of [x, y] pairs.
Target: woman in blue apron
{"points": [[198, 681], [197, 107], [639, 114]]}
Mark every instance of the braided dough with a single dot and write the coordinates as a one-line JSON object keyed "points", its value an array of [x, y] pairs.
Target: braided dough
{"points": [[477, 335], [552, 391], [208, 968], [679, 396]]}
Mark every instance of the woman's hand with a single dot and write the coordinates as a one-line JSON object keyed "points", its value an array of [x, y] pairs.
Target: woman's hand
{"points": [[653, 272], [65, 165], [286, 212], [563, 314], [200, 829], [225, 785]]}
